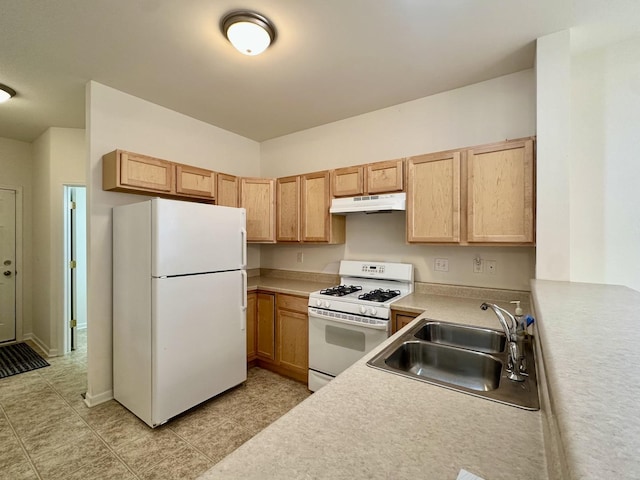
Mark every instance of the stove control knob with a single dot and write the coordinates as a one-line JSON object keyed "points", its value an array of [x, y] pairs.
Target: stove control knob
{"points": [[326, 304], [373, 311], [318, 303], [363, 309]]}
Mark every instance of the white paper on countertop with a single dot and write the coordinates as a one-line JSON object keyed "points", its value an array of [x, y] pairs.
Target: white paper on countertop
{"points": [[464, 475]]}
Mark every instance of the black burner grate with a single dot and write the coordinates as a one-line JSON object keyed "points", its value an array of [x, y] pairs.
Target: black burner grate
{"points": [[379, 295], [340, 290]]}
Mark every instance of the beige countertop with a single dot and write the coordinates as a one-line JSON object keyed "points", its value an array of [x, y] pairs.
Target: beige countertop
{"points": [[289, 286], [590, 339], [372, 424]]}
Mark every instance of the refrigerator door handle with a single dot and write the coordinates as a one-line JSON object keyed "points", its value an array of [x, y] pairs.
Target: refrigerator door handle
{"points": [[243, 232], [243, 320]]}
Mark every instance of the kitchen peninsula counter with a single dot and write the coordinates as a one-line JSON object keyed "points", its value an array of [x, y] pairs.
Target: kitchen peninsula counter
{"points": [[373, 424]]}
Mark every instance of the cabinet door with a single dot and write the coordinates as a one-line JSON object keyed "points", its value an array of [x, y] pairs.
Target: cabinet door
{"points": [[257, 196], [433, 191], [348, 182], [292, 337], [385, 177], [146, 172], [316, 222], [500, 193], [288, 209], [252, 301], [265, 345], [401, 320], [195, 181], [227, 190]]}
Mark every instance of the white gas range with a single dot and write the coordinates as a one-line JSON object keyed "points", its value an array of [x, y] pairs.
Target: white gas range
{"points": [[350, 319]]}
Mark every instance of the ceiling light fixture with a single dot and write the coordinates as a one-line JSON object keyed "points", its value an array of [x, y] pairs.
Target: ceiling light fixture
{"points": [[6, 93], [249, 32]]}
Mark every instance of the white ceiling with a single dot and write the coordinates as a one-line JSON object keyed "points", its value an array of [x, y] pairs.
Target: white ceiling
{"points": [[333, 59]]}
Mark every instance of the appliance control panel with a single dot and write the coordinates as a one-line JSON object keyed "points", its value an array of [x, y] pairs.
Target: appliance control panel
{"points": [[375, 269]]}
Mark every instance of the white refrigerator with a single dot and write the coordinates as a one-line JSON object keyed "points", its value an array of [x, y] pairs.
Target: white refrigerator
{"points": [[179, 305]]}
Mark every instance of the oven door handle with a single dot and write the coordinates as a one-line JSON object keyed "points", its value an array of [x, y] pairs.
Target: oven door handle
{"points": [[374, 326]]}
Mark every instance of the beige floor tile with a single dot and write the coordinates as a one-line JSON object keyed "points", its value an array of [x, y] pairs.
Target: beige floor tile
{"points": [[123, 430], [185, 464], [104, 468], [10, 450], [104, 413], [51, 435], [19, 470], [32, 417], [144, 452], [18, 385], [219, 442], [72, 455]]}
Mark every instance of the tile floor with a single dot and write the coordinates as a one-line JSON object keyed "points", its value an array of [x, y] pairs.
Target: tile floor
{"points": [[47, 432]]}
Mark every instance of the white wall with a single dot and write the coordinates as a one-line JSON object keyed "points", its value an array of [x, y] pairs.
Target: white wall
{"points": [[605, 171], [553, 166], [15, 171], [117, 120], [59, 157], [486, 112]]}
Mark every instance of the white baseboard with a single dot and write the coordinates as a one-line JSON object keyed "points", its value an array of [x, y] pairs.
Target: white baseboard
{"points": [[49, 352], [93, 400]]}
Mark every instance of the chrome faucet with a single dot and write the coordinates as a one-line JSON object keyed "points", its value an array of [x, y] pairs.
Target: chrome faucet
{"points": [[516, 367]]}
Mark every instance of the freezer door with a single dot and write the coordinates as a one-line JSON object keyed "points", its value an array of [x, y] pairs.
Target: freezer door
{"points": [[199, 340], [190, 237]]}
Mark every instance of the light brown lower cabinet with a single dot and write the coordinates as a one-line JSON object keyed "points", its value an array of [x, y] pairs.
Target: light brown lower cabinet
{"points": [[252, 301], [265, 327], [282, 331], [400, 319]]}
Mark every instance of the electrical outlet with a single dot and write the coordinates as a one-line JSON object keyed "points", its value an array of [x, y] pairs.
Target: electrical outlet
{"points": [[478, 265], [300, 257], [491, 266], [441, 265]]}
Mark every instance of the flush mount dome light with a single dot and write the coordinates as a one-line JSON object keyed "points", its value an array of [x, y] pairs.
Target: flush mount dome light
{"points": [[6, 93], [249, 32]]}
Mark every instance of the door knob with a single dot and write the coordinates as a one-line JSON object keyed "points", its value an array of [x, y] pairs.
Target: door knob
{"points": [[7, 273]]}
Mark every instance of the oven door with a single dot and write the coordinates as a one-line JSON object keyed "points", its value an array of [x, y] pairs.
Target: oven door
{"points": [[335, 344]]}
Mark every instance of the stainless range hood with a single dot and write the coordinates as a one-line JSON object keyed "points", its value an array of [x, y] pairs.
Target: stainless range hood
{"points": [[369, 203]]}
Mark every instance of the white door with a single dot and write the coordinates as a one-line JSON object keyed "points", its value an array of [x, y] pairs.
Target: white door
{"points": [[190, 237], [7, 265], [198, 339]]}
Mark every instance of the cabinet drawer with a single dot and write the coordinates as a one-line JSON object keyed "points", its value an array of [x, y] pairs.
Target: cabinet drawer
{"points": [[290, 302]]}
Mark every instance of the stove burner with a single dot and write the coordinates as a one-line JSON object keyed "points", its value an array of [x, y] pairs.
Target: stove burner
{"points": [[340, 290], [379, 295]]}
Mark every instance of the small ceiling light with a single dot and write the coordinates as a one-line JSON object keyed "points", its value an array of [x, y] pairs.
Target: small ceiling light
{"points": [[250, 33], [6, 93]]}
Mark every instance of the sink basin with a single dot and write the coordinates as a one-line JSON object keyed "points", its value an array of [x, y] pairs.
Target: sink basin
{"points": [[465, 368], [464, 358], [474, 338]]}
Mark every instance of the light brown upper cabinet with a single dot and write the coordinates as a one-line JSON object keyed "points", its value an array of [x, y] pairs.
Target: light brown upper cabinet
{"points": [[227, 190], [132, 172], [500, 186], [379, 177], [348, 182], [317, 224], [196, 182], [385, 177], [433, 198], [257, 196], [288, 209]]}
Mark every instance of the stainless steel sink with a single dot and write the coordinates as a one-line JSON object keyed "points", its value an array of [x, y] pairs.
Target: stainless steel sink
{"points": [[473, 338], [455, 356], [456, 366]]}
